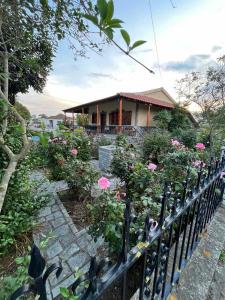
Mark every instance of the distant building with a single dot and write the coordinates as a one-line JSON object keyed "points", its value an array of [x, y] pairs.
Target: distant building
{"points": [[53, 122]]}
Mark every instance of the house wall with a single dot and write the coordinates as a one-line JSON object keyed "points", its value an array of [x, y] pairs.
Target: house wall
{"points": [[142, 114], [110, 106], [139, 111], [158, 95]]}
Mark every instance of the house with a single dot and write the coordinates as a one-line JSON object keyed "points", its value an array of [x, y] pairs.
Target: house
{"points": [[52, 122], [124, 111]]}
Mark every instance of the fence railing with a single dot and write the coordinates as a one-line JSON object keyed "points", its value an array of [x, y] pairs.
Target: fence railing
{"points": [[153, 266]]}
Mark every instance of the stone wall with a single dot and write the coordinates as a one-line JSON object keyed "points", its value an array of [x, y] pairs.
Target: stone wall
{"points": [[105, 154]]}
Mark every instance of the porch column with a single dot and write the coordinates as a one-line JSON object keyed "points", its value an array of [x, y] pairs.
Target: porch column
{"points": [[65, 117], [97, 117], [73, 121], [120, 121], [148, 115]]}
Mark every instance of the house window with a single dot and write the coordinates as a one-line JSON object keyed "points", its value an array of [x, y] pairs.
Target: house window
{"points": [[114, 118], [127, 117], [94, 118]]}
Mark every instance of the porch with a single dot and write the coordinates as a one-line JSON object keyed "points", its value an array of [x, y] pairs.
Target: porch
{"points": [[124, 112]]}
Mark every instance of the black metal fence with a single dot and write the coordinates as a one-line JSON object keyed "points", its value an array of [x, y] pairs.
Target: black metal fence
{"points": [[153, 266]]}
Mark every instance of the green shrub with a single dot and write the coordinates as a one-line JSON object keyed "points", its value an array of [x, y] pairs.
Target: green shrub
{"points": [[163, 119], [80, 176], [121, 140], [155, 144], [186, 136], [9, 283], [123, 159], [107, 216], [21, 204]]}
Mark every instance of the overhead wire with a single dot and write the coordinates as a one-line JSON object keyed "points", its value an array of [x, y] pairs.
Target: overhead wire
{"points": [[155, 39]]}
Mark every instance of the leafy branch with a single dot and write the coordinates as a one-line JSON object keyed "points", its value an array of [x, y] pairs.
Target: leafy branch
{"points": [[107, 25]]}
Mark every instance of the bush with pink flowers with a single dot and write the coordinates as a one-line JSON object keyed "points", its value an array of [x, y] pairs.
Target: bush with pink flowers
{"points": [[107, 215]]}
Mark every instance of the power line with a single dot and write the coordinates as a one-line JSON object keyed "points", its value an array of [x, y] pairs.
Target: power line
{"points": [[155, 40]]}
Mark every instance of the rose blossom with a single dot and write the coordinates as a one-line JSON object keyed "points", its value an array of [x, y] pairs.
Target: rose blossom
{"points": [[200, 146], [175, 142], [103, 183], [152, 167], [64, 142], [74, 152]]}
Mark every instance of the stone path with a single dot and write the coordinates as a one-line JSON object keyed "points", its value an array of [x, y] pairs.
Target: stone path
{"points": [[74, 249]]}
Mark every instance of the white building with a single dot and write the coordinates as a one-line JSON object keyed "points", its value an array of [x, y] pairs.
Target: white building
{"points": [[52, 122]]}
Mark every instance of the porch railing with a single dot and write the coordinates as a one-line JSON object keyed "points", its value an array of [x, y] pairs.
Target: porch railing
{"points": [[153, 266]]}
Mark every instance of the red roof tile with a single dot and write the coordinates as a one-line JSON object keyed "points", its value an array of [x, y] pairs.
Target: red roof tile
{"points": [[147, 99], [130, 96]]}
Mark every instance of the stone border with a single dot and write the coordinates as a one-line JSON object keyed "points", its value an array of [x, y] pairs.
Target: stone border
{"points": [[67, 245]]}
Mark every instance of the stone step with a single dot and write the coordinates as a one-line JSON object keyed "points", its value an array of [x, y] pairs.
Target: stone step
{"points": [[202, 277]]}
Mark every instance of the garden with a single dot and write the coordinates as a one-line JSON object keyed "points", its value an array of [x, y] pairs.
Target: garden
{"points": [[167, 154], [52, 191]]}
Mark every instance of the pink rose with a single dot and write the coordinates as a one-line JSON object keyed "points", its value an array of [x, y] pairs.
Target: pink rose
{"points": [[152, 167], [175, 142], [103, 183], [64, 142], [200, 146], [74, 152]]}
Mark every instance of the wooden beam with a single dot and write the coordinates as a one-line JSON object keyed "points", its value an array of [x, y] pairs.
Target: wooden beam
{"points": [[65, 117], [148, 115], [73, 122], [97, 117]]}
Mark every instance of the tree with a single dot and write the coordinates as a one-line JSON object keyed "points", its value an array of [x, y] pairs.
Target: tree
{"points": [[29, 32], [23, 111], [207, 91]]}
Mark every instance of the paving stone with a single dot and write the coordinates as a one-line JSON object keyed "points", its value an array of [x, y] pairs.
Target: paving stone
{"points": [[83, 242], [58, 222], [49, 218], [66, 272], [91, 249], [78, 260], [67, 239], [55, 208], [45, 212], [65, 283], [54, 250], [62, 230], [58, 214], [69, 251]]}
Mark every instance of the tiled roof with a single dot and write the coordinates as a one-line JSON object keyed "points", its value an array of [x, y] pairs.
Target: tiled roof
{"points": [[130, 96], [147, 99]]}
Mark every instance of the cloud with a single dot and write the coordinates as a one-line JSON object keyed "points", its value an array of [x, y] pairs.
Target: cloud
{"points": [[144, 50], [102, 75], [191, 63], [216, 48]]}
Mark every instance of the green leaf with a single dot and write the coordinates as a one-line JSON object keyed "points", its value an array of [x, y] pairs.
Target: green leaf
{"points": [[109, 32], [64, 292], [110, 10], [91, 18], [137, 44], [102, 7], [125, 36]]}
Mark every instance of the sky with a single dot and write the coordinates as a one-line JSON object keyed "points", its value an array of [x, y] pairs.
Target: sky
{"points": [[189, 37]]}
